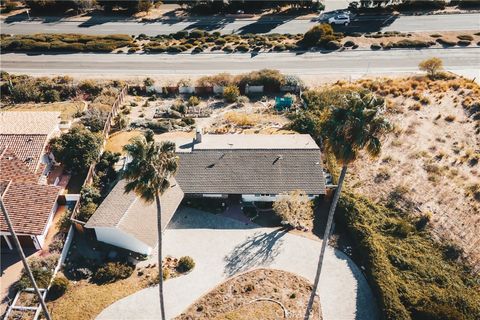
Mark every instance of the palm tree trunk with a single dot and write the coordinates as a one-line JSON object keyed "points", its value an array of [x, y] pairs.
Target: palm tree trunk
{"points": [[160, 259], [326, 235], [24, 259]]}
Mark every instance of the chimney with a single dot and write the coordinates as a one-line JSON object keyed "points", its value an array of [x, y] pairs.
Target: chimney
{"points": [[198, 135]]}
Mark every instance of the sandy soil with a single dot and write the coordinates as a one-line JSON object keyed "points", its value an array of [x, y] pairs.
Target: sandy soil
{"points": [[242, 298], [432, 158]]}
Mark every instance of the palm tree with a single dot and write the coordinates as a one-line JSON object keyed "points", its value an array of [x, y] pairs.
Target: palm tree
{"points": [[357, 125], [24, 259], [147, 175]]}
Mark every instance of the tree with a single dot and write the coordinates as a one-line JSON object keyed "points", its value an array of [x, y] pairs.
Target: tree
{"points": [[231, 93], [294, 208], [76, 149], [148, 176], [144, 5], [431, 66], [346, 130], [24, 259]]}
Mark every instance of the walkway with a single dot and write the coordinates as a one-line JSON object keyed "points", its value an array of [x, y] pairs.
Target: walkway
{"points": [[223, 247]]}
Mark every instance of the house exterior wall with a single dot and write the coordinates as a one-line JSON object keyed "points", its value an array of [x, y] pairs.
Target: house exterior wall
{"points": [[266, 197], [121, 239]]}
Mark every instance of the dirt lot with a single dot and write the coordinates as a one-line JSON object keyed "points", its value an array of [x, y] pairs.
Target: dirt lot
{"points": [[256, 295], [67, 109], [431, 161]]}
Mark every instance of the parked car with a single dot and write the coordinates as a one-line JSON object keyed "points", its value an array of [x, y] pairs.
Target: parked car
{"points": [[340, 19]]}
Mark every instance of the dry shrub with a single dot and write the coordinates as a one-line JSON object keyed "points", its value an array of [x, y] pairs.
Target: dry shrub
{"points": [[241, 119], [450, 118]]}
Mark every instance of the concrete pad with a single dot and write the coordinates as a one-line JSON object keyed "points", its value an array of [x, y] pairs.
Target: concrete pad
{"points": [[222, 247]]}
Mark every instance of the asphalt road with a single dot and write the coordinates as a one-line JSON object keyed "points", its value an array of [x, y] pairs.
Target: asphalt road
{"points": [[272, 24], [465, 61]]}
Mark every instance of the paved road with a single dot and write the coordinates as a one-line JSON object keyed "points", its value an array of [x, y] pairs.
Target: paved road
{"points": [[222, 247], [273, 24], [464, 61]]}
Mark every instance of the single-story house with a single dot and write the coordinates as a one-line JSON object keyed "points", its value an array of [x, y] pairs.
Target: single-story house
{"points": [[125, 220], [30, 205], [246, 167], [253, 167]]}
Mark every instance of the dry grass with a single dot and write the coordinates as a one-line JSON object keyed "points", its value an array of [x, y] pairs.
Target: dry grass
{"points": [[88, 300], [435, 151], [232, 299], [67, 109], [264, 310], [117, 140], [241, 119]]}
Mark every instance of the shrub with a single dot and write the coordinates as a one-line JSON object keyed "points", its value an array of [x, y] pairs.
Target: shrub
{"points": [[193, 101], [294, 208], [333, 45], [349, 43], [113, 271], [51, 96], [431, 66], [185, 264], [159, 127], [195, 34], [189, 121], [59, 286], [86, 211], [446, 43], [90, 87], [242, 48], [94, 120], [466, 37], [42, 278], [220, 42], [464, 43], [375, 46], [231, 93], [318, 35], [279, 47]]}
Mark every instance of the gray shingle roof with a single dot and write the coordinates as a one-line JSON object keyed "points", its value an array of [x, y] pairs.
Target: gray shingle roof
{"points": [[253, 171], [132, 215]]}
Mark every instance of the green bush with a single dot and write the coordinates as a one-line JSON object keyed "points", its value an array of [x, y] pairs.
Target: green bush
{"points": [[466, 37], [446, 43], [319, 35], [113, 271], [242, 48], [185, 264], [463, 43], [86, 211], [375, 46], [231, 93], [333, 45], [349, 43], [410, 275], [195, 34], [189, 121], [42, 278], [58, 288]]}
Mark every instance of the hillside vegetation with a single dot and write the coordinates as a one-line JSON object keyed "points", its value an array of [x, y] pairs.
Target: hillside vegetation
{"points": [[413, 276]]}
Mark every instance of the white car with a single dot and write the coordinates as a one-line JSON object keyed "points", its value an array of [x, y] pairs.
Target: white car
{"points": [[340, 19]]}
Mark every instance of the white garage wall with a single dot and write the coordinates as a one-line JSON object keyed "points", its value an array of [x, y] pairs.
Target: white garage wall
{"points": [[121, 239]]}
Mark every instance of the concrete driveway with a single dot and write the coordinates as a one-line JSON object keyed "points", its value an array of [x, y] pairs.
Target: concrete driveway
{"points": [[222, 247]]}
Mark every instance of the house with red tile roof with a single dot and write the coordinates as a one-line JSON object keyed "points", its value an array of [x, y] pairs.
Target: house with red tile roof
{"points": [[24, 165]]}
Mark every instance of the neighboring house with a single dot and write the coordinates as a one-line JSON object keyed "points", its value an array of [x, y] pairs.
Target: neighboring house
{"points": [[30, 205], [27, 135], [125, 220], [25, 163], [251, 167]]}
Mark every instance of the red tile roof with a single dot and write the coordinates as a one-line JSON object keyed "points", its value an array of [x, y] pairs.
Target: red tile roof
{"points": [[28, 203], [29, 206], [28, 148]]}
